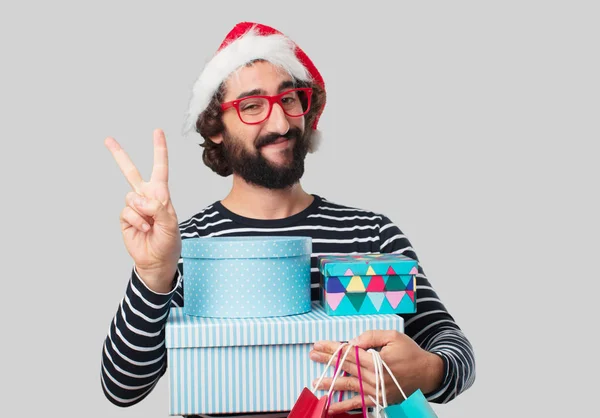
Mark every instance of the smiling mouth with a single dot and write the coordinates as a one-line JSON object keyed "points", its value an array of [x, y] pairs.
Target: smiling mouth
{"points": [[279, 140]]}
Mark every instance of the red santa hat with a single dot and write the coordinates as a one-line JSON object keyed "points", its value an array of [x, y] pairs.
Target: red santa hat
{"points": [[246, 42]]}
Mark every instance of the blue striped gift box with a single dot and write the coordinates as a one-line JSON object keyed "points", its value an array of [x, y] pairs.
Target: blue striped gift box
{"points": [[252, 364]]}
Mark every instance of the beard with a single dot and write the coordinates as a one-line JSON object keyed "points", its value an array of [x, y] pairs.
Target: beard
{"points": [[256, 169]]}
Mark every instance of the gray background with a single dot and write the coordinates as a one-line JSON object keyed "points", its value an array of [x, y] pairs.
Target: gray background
{"points": [[473, 125]]}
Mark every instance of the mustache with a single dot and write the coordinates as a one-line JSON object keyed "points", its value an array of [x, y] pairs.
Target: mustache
{"points": [[293, 133]]}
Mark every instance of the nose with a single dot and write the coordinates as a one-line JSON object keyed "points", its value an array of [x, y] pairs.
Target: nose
{"points": [[277, 121]]}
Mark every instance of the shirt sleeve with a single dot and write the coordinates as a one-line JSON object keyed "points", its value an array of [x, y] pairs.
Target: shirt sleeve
{"points": [[134, 353], [432, 326]]}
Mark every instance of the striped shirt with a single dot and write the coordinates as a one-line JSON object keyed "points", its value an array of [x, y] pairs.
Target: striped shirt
{"points": [[134, 353]]}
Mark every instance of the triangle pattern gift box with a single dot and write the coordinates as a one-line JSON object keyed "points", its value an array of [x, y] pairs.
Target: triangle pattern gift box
{"points": [[357, 284]]}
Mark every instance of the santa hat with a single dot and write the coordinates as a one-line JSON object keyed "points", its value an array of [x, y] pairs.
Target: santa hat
{"points": [[246, 42]]}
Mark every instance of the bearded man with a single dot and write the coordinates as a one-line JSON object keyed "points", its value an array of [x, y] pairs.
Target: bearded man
{"points": [[256, 108]]}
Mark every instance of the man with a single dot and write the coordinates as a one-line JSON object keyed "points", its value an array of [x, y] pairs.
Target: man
{"points": [[257, 105]]}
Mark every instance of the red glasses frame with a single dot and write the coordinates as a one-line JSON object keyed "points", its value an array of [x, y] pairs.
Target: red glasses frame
{"points": [[271, 100]]}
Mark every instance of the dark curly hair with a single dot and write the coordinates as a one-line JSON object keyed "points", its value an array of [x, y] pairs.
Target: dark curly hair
{"points": [[210, 123]]}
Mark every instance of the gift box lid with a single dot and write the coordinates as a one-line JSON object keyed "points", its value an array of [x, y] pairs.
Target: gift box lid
{"points": [[192, 331], [380, 264], [246, 247]]}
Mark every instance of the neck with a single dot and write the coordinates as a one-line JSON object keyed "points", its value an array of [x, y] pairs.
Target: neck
{"points": [[256, 202]]}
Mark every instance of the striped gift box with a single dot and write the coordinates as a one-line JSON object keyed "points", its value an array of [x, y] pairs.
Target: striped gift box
{"points": [[252, 364]]}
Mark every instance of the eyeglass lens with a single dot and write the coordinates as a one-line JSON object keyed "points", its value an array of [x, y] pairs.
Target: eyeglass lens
{"points": [[255, 109]]}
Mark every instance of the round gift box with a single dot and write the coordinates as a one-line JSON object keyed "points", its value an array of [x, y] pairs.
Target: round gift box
{"points": [[246, 277]]}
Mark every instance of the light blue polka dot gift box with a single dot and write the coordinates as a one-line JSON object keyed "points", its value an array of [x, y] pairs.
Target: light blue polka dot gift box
{"points": [[246, 277]]}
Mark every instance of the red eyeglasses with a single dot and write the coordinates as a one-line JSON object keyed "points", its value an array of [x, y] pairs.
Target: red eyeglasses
{"points": [[256, 109]]}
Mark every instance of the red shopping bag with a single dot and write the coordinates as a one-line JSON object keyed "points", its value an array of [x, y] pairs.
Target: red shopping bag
{"points": [[309, 405]]}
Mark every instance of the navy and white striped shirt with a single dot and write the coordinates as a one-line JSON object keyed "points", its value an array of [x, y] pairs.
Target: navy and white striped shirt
{"points": [[134, 353]]}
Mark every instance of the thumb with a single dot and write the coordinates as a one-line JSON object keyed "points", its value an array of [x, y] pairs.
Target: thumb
{"points": [[151, 207], [374, 338]]}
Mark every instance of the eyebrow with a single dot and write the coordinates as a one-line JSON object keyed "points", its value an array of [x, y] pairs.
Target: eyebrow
{"points": [[282, 86]]}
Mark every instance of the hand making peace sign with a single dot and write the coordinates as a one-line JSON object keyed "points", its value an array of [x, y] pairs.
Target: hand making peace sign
{"points": [[148, 221]]}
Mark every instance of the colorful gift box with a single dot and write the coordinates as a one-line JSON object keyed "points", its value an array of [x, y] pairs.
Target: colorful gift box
{"points": [[243, 277], [368, 284], [255, 364]]}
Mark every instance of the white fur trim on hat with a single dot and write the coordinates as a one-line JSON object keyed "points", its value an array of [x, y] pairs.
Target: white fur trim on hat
{"points": [[277, 49]]}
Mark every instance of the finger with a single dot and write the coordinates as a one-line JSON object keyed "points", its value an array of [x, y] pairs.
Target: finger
{"points": [[367, 375], [161, 193], [151, 207], [130, 217], [349, 405], [170, 208], [325, 349], [127, 167], [375, 338], [346, 384], [160, 170], [131, 200]]}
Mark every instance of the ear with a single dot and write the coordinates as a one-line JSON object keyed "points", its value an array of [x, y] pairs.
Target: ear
{"points": [[217, 139]]}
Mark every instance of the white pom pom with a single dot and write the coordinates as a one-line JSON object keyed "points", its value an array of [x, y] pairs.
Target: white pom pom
{"points": [[315, 141]]}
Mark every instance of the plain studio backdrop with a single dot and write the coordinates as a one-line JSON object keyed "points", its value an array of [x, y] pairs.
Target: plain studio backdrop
{"points": [[474, 126]]}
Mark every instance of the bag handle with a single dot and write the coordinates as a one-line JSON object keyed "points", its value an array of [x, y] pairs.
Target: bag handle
{"points": [[337, 351], [393, 377], [337, 365], [377, 406], [359, 376], [362, 392], [337, 373], [379, 364]]}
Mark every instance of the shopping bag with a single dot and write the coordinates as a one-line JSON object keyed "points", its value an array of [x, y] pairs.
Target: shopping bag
{"points": [[308, 405], [414, 406]]}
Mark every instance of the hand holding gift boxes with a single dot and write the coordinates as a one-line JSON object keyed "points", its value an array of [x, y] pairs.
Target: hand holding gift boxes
{"points": [[417, 370], [368, 284], [413, 406]]}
